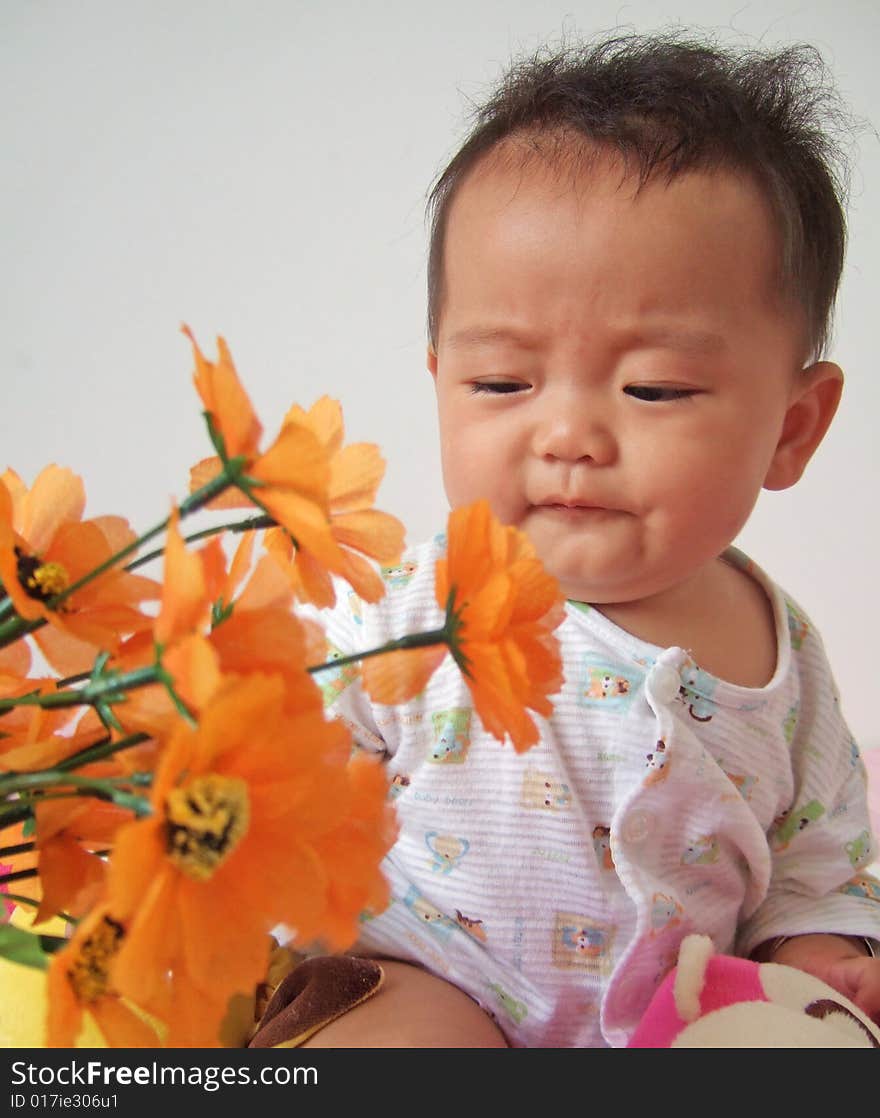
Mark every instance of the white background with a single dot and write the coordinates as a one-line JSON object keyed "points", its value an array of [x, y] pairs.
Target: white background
{"points": [[259, 168]]}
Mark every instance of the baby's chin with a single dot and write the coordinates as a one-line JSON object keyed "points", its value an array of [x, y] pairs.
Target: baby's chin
{"points": [[614, 583]]}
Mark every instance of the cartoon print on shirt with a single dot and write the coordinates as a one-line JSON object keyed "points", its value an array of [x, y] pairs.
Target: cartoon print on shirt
{"points": [[703, 851], [863, 885], [602, 846], [860, 850], [542, 791], [437, 923], [333, 681], [789, 823], [798, 626], [696, 687], [666, 913], [855, 757], [399, 575], [743, 783], [790, 724], [580, 943], [446, 850], [399, 782], [474, 927], [355, 608], [516, 1010], [452, 739], [607, 684], [657, 763]]}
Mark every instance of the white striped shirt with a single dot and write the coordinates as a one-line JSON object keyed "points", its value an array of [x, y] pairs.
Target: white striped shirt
{"points": [[555, 886]]}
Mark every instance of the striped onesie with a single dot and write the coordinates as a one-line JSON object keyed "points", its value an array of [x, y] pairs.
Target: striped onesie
{"points": [[555, 886]]}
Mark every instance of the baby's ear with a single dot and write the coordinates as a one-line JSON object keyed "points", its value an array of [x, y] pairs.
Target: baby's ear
{"points": [[813, 403]]}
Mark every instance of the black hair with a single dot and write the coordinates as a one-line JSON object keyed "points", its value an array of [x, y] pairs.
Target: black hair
{"points": [[668, 104]]}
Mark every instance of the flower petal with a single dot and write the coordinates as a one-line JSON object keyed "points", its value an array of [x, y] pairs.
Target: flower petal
{"points": [[375, 533], [204, 472], [355, 473], [324, 417], [395, 677], [57, 497], [225, 399]]}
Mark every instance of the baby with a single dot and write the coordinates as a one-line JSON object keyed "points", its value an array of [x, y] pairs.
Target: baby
{"points": [[633, 265]]}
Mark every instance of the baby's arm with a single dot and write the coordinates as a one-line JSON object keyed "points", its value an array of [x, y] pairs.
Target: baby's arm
{"points": [[820, 898], [844, 962]]}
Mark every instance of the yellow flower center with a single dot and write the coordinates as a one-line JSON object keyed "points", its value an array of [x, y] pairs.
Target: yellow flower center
{"points": [[88, 974], [40, 580], [206, 820]]}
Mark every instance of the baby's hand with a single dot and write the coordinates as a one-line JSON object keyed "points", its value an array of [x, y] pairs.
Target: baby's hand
{"points": [[839, 961]]}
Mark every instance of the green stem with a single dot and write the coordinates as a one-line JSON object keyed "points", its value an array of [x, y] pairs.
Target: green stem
{"points": [[18, 875], [9, 817], [226, 478], [14, 627], [109, 687], [69, 680], [412, 640], [20, 811], [252, 524], [100, 750], [101, 789], [19, 899]]}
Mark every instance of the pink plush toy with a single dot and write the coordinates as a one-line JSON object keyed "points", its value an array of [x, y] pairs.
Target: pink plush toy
{"points": [[718, 1001]]}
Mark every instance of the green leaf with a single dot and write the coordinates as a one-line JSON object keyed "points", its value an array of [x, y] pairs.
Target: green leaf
{"points": [[26, 948]]}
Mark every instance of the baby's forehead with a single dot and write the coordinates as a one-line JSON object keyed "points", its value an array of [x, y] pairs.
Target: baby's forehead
{"points": [[528, 213]]}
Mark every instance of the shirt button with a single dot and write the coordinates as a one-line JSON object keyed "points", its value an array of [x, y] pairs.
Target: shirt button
{"points": [[665, 683]]}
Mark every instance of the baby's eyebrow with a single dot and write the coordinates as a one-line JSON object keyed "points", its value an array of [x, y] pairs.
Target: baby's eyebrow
{"points": [[469, 336], [678, 337], [668, 336]]}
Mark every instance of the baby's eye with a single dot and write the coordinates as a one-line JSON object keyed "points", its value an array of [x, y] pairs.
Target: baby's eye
{"points": [[658, 393], [499, 387]]}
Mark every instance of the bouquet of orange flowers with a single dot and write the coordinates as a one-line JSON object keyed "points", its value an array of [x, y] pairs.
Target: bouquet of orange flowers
{"points": [[171, 788]]}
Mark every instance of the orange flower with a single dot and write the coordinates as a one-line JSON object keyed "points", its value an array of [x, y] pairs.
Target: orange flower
{"points": [[505, 607], [502, 608], [355, 473], [252, 629], [70, 834], [192, 580], [46, 547], [257, 814], [24, 725], [70, 831], [79, 982], [289, 480], [257, 630]]}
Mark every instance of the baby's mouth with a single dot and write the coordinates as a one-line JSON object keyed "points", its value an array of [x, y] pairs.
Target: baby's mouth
{"points": [[573, 507]]}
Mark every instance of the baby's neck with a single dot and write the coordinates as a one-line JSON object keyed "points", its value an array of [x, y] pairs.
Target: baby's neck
{"points": [[722, 616]]}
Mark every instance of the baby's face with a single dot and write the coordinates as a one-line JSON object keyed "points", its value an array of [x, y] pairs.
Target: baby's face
{"points": [[613, 370]]}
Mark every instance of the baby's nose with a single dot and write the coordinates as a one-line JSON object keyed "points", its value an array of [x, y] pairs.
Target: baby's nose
{"points": [[570, 432]]}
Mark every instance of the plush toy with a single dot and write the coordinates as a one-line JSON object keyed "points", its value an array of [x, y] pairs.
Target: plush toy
{"points": [[718, 1001]]}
